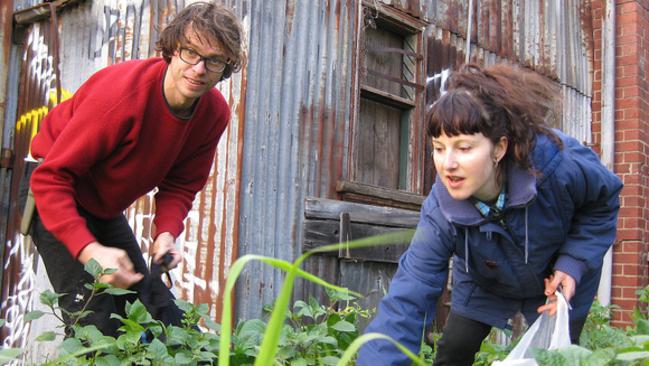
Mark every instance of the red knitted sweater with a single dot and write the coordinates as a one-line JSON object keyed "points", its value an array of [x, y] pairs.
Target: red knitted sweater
{"points": [[115, 140]]}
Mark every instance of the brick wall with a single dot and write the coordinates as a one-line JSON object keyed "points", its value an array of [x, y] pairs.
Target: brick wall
{"points": [[630, 268]]}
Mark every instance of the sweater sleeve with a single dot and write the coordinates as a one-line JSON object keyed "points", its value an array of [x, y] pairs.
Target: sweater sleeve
{"points": [[411, 301], [593, 191], [187, 176], [84, 136]]}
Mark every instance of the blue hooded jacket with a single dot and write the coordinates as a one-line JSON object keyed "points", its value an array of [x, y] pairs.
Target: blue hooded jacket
{"points": [[561, 218]]}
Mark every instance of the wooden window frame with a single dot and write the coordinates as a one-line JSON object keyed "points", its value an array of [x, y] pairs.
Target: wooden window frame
{"points": [[412, 161]]}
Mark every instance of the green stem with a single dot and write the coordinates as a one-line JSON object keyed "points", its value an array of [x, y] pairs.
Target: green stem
{"points": [[85, 305], [56, 315]]}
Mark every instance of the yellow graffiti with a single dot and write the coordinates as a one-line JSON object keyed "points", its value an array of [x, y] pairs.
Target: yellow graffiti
{"points": [[34, 117]]}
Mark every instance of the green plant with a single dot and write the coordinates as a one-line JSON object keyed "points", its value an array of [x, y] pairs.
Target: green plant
{"points": [[491, 351], [318, 335], [598, 334], [640, 317], [8, 354], [142, 340], [270, 343], [313, 335]]}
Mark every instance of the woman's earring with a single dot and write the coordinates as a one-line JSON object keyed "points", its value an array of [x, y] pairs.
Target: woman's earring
{"points": [[495, 162]]}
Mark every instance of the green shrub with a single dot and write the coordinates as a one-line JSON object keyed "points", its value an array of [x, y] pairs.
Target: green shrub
{"points": [[313, 335], [306, 333]]}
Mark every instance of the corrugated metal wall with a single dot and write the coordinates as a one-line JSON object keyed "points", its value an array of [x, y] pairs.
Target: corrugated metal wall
{"points": [[299, 107], [32, 99], [92, 35], [298, 97], [298, 110], [550, 36]]}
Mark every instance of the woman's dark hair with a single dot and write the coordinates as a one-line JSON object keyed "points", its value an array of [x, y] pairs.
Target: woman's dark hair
{"points": [[210, 20], [499, 100]]}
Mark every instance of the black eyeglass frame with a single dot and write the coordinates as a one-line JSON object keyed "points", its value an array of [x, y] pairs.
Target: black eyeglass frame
{"points": [[207, 61]]}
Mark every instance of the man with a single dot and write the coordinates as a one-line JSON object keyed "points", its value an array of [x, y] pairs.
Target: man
{"points": [[130, 128]]}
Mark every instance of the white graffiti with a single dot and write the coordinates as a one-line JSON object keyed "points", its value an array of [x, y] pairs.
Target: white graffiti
{"points": [[41, 64], [439, 80], [21, 299], [21, 296]]}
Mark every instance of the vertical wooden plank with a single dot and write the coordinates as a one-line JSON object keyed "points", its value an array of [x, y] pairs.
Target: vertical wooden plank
{"points": [[379, 131], [389, 63]]}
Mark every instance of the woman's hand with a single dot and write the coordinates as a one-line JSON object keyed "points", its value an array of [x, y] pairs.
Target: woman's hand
{"points": [[560, 280]]}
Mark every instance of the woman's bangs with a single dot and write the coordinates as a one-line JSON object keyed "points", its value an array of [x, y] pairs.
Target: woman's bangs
{"points": [[456, 113]]}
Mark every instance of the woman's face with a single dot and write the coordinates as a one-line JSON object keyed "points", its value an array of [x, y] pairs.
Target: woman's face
{"points": [[466, 164]]}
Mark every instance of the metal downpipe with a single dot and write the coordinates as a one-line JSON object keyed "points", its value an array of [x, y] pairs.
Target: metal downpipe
{"points": [[608, 128]]}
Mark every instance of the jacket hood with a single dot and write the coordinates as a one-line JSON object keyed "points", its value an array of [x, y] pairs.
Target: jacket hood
{"points": [[521, 185]]}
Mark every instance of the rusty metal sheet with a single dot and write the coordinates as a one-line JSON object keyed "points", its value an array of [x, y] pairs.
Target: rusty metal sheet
{"points": [[35, 86], [553, 38], [93, 35], [421, 9], [298, 108]]}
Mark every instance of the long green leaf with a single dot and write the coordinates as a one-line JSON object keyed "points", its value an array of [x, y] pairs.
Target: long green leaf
{"points": [[9, 354], [632, 356], [278, 317], [286, 266], [358, 342], [271, 337], [233, 275]]}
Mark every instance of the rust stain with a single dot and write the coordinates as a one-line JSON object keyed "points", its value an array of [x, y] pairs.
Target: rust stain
{"points": [[290, 15], [337, 7], [6, 19], [494, 23], [319, 141], [480, 23], [507, 43], [544, 49], [240, 112], [411, 7], [337, 164], [453, 13], [356, 57], [586, 17]]}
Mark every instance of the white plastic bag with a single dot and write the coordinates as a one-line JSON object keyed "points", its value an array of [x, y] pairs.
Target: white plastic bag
{"points": [[547, 332]]}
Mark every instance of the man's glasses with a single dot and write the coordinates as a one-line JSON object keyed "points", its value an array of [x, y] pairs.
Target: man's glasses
{"points": [[213, 64]]}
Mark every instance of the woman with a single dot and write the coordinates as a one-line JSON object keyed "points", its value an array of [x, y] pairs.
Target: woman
{"points": [[522, 209]]}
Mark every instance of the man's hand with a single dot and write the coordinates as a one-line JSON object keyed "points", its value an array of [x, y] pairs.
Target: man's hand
{"points": [[166, 243], [109, 257], [568, 287]]}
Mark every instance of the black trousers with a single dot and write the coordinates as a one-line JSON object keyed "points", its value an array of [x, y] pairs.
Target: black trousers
{"points": [[462, 338], [67, 275]]}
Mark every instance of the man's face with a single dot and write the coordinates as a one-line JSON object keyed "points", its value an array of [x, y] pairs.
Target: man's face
{"points": [[185, 82]]}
